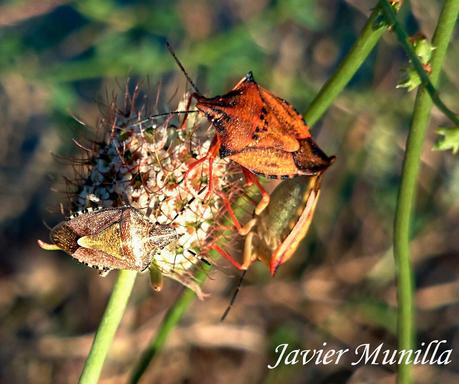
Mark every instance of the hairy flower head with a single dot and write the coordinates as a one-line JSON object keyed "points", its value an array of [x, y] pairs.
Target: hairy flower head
{"points": [[142, 161]]}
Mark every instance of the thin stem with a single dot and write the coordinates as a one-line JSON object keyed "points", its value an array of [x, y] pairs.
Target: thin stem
{"points": [[108, 326], [363, 46], [171, 319], [407, 192], [417, 65]]}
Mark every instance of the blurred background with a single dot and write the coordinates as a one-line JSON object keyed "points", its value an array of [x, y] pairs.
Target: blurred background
{"points": [[60, 59]]}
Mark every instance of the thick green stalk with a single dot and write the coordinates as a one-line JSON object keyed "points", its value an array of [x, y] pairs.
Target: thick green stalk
{"points": [[108, 326], [171, 319], [407, 192], [363, 46], [403, 38]]}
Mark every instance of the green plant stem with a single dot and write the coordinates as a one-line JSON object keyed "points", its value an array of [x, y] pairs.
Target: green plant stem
{"points": [[171, 319], [363, 46], [407, 192], [403, 38], [107, 327]]}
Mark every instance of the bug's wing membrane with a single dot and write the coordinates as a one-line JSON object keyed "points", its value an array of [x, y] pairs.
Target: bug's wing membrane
{"points": [[310, 159]]}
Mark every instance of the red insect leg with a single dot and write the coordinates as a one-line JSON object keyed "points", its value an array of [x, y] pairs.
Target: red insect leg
{"points": [[209, 156], [252, 179], [242, 230], [227, 256]]}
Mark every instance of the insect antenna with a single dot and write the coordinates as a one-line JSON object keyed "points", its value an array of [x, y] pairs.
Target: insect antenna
{"points": [[152, 117], [233, 298], [182, 68], [46, 225]]}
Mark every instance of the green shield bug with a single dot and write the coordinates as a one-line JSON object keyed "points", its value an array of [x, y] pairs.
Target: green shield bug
{"points": [[281, 227], [277, 231]]}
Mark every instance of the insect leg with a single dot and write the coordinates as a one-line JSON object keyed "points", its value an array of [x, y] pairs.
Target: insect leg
{"points": [[242, 230], [193, 165], [248, 257], [227, 256], [252, 179], [156, 278], [210, 182], [210, 156]]}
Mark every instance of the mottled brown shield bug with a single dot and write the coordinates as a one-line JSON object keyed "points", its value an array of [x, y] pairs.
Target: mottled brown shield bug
{"points": [[111, 238]]}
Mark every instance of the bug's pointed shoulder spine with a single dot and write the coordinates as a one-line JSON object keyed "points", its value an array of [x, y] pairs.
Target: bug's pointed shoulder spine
{"points": [[249, 77]]}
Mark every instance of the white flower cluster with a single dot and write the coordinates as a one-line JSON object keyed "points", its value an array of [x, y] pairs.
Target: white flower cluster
{"points": [[143, 162]]}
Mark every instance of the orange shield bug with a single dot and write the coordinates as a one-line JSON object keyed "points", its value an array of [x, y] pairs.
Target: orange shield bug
{"points": [[111, 238], [279, 229], [261, 132]]}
